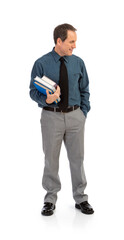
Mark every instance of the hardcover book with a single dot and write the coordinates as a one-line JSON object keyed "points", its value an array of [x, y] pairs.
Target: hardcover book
{"points": [[45, 83]]}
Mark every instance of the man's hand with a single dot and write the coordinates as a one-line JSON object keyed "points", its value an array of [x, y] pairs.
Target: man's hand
{"points": [[52, 97]]}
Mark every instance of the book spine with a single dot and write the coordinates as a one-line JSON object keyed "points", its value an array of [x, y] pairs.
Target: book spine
{"points": [[44, 87], [47, 86]]}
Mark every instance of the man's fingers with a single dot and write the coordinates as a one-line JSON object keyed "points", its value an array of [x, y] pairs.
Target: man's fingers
{"points": [[52, 97], [47, 92]]}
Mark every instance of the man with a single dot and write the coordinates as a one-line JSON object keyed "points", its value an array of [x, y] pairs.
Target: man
{"points": [[65, 120]]}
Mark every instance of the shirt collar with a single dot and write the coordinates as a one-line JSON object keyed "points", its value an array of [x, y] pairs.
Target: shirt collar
{"points": [[57, 56]]}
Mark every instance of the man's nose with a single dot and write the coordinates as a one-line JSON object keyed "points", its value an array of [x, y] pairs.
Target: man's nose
{"points": [[74, 45]]}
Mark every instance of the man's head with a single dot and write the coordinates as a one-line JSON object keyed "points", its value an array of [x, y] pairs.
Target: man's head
{"points": [[65, 38]]}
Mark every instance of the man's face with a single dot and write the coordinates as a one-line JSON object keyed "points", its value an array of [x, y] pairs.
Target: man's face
{"points": [[66, 47]]}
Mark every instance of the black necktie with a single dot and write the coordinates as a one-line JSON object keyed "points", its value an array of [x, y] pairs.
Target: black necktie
{"points": [[63, 83]]}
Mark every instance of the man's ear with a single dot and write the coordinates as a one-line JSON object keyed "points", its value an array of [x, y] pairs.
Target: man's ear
{"points": [[59, 41]]}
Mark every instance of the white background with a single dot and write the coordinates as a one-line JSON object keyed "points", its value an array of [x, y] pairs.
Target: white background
{"points": [[26, 34]]}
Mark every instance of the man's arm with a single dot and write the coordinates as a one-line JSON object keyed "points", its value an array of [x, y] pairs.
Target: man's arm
{"points": [[35, 95], [84, 91]]}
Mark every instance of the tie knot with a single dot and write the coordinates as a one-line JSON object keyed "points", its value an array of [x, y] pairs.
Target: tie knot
{"points": [[61, 59]]}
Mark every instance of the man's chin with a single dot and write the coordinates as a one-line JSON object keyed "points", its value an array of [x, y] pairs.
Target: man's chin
{"points": [[70, 53]]}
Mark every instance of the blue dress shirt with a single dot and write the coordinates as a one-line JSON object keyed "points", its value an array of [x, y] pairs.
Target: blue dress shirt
{"points": [[49, 65]]}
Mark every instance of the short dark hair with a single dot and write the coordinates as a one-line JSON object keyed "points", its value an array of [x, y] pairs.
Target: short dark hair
{"points": [[61, 31]]}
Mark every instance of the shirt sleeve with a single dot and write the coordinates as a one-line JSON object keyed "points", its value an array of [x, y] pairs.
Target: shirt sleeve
{"points": [[84, 91], [35, 95]]}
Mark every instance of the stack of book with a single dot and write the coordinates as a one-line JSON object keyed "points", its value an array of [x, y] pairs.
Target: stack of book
{"points": [[43, 84]]}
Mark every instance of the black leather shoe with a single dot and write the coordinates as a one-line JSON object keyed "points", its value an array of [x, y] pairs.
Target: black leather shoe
{"points": [[85, 207], [47, 209]]}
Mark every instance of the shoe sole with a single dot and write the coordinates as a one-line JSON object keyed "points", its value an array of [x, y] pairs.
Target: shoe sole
{"points": [[47, 214]]}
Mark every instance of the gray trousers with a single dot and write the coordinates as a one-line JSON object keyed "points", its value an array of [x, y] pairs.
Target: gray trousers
{"points": [[56, 127]]}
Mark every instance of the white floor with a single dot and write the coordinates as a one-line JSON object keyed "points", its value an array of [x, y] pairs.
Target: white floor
{"points": [[22, 200], [22, 220]]}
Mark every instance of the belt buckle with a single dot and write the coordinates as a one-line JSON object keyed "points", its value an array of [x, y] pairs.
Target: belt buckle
{"points": [[73, 108]]}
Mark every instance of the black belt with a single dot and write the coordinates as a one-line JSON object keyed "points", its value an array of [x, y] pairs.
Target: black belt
{"points": [[55, 109]]}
